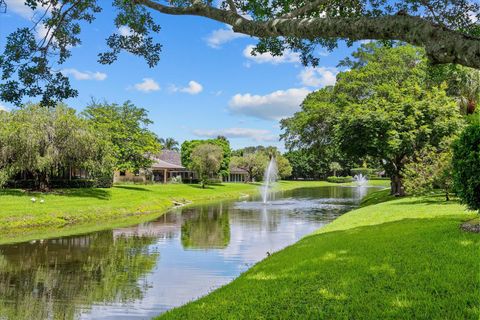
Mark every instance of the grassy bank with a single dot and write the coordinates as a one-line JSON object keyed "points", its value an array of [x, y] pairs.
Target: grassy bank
{"points": [[401, 259], [74, 211]]}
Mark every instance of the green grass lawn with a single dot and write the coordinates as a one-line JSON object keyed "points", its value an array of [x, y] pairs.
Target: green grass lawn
{"points": [[73, 211], [401, 259]]}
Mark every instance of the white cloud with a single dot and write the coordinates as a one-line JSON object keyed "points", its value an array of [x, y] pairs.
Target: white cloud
{"points": [[318, 77], [3, 108], [147, 85], [19, 7], [41, 31], [193, 88], [85, 75], [125, 31], [273, 106], [221, 36], [254, 134], [288, 56]]}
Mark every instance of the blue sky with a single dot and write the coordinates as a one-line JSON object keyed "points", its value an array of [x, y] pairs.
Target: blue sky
{"points": [[206, 83]]}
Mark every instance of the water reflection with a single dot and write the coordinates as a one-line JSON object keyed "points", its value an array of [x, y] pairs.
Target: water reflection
{"points": [[143, 270], [206, 227], [55, 279]]}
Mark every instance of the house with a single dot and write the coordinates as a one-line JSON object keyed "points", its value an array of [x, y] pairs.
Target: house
{"points": [[167, 166], [236, 175]]}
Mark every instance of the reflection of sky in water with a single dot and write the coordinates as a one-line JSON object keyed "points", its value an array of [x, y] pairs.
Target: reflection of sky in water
{"points": [[200, 249]]}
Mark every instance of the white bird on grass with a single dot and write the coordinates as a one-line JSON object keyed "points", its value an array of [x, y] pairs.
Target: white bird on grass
{"points": [[33, 200], [42, 201]]}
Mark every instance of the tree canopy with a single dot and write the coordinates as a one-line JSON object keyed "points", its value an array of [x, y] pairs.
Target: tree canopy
{"points": [[448, 30], [126, 126], [206, 160], [382, 109], [224, 144], [45, 142]]}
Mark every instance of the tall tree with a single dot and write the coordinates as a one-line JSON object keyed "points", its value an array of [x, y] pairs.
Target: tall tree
{"points": [[448, 30], [44, 142], [389, 112], [303, 164], [206, 160], [126, 126], [253, 163], [383, 109], [224, 144], [310, 132]]}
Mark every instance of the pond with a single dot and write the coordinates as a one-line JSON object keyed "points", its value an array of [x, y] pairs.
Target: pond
{"points": [[141, 271]]}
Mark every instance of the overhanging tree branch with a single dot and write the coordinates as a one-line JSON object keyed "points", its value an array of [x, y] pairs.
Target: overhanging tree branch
{"points": [[441, 44]]}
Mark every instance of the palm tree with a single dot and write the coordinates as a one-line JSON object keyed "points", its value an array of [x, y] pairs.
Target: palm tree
{"points": [[470, 91], [169, 144]]}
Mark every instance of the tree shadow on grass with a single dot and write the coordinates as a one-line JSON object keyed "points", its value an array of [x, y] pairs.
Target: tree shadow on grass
{"points": [[101, 194], [13, 192], [133, 188], [197, 186], [436, 199]]}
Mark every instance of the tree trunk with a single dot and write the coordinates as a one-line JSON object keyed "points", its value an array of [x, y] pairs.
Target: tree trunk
{"points": [[471, 105], [396, 186], [43, 179]]}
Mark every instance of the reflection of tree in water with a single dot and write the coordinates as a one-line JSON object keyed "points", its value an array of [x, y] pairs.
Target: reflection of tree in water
{"points": [[56, 279], [206, 227]]}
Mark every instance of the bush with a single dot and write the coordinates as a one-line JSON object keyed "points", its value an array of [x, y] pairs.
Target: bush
{"points": [[105, 181], [340, 179], [466, 166]]}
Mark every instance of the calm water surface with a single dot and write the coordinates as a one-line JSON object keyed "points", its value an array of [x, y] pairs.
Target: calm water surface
{"points": [[144, 270]]}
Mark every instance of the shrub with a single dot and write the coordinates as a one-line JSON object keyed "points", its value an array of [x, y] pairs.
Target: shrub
{"points": [[466, 166], [104, 181], [340, 179]]}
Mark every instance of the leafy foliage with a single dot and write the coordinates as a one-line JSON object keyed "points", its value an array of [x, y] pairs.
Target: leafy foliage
{"points": [[383, 109], [126, 126], [466, 166], [188, 146], [336, 179], [206, 160], [44, 142], [430, 168], [29, 66], [334, 167], [253, 163], [169, 144], [254, 160]]}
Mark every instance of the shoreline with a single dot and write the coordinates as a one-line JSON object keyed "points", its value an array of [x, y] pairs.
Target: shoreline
{"points": [[58, 218], [364, 255]]}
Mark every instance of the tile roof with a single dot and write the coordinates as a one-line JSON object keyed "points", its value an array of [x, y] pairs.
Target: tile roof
{"points": [[168, 159]]}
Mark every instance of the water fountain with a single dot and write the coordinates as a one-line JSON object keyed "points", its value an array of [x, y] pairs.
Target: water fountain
{"points": [[269, 178], [360, 179]]}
